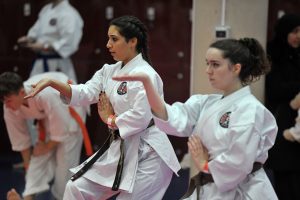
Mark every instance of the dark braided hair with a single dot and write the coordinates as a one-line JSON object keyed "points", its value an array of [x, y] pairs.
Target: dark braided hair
{"points": [[249, 53], [130, 27]]}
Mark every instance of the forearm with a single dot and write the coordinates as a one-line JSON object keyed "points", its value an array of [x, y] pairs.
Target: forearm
{"points": [[156, 103], [26, 154], [63, 88]]}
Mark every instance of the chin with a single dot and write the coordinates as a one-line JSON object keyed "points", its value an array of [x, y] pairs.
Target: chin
{"points": [[116, 59]]}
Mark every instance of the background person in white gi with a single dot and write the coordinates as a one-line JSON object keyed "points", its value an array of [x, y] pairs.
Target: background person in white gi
{"points": [[149, 156], [55, 36], [236, 130], [60, 151]]}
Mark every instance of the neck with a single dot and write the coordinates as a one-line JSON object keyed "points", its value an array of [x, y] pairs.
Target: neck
{"points": [[232, 89], [25, 102], [56, 2], [129, 59]]}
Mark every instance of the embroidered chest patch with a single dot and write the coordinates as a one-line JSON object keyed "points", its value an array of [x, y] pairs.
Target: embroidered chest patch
{"points": [[224, 120], [122, 89]]}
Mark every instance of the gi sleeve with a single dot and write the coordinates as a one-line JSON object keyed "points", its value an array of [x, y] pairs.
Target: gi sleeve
{"points": [[88, 93], [182, 117], [34, 30], [17, 130]]}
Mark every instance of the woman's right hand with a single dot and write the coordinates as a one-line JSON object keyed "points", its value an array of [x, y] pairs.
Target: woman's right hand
{"points": [[198, 152], [39, 86]]}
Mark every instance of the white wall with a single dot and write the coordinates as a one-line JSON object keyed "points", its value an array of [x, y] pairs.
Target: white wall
{"points": [[247, 18]]}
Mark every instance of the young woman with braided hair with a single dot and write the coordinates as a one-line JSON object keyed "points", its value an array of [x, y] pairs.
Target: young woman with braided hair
{"points": [[230, 133], [140, 161]]}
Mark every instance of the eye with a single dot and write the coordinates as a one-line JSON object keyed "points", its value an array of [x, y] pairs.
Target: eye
{"points": [[215, 65], [114, 39], [212, 64]]}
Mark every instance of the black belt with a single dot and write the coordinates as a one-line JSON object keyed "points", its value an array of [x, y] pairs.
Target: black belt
{"points": [[45, 58], [113, 135], [203, 178]]}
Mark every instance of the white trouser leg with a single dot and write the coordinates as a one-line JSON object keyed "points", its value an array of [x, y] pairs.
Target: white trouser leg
{"points": [[152, 179], [84, 189], [39, 174], [67, 156]]}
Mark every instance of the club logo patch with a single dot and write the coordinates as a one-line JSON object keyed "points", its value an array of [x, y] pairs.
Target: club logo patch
{"points": [[53, 21], [122, 89], [224, 120]]}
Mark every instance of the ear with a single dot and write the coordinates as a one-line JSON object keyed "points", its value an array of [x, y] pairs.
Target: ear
{"points": [[22, 92], [133, 42], [237, 68]]}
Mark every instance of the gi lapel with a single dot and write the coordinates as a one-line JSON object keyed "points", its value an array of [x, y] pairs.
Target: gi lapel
{"points": [[221, 104]]}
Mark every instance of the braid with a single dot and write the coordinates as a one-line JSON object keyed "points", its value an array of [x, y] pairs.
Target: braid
{"points": [[130, 27]]}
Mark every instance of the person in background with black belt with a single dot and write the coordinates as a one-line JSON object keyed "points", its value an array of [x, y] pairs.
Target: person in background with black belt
{"points": [[230, 133], [54, 37], [140, 160]]}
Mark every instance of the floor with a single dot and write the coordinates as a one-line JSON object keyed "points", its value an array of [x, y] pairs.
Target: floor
{"points": [[13, 176]]}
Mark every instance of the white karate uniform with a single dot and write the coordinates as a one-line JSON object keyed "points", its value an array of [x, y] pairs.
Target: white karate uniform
{"points": [[149, 155], [237, 131], [61, 27], [59, 126]]}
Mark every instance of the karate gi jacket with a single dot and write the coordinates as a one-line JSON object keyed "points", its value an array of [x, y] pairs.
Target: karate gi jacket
{"points": [[133, 112], [237, 131]]}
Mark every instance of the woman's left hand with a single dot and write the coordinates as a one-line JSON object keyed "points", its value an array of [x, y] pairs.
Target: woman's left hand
{"points": [[198, 152], [105, 108]]}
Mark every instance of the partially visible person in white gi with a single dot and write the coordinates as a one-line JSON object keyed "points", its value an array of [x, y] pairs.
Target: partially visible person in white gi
{"points": [[230, 133], [293, 134], [150, 160], [55, 36], [58, 147]]}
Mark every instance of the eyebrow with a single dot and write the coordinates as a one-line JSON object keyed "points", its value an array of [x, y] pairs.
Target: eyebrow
{"points": [[212, 60]]}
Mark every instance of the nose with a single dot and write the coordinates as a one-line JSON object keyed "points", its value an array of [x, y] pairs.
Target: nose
{"points": [[208, 69], [108, 45]]}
